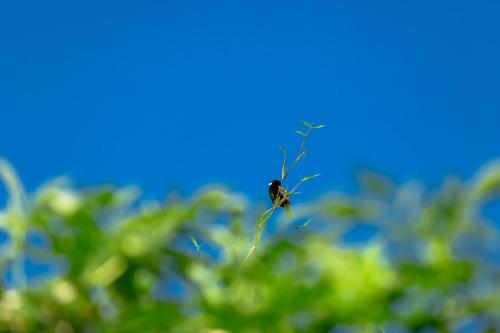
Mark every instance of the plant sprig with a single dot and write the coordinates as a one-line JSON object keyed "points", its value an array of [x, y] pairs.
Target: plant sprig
{"points": [[299, 228], [196, 244], [302, 150], [285, 171]]}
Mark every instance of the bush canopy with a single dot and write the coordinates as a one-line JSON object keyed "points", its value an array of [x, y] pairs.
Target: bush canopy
{"points": [[390, 258]]}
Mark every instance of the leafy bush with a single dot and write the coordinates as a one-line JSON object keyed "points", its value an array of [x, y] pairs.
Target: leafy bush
{"points": [[95, 260]]}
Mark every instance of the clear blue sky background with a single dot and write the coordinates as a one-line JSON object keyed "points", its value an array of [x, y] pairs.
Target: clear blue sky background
{"points": [[169, 94]]}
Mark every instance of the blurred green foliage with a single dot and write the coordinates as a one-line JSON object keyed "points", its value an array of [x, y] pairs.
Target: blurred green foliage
{"points": [[116, 265]]}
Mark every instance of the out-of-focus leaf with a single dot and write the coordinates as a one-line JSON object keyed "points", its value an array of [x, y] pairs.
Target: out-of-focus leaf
{"points": [[343, 207], [376, 183], [487, 181], [13, 184]]}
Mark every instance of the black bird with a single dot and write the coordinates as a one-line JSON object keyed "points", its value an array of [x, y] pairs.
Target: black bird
{"points": [[278, 195]]}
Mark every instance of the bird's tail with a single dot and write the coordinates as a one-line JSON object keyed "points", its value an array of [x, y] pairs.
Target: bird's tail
{"points": [[288, 210]]}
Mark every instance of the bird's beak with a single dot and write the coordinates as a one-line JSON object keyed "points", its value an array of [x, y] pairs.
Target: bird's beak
{"points": [[269, 184]]}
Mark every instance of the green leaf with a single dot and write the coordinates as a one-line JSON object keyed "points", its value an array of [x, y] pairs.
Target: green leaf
{"points": [[301, 133], [300, 156], [310, 177], [283, 170], [195, 243], [306, 123], [311, 125], [299, 228]]}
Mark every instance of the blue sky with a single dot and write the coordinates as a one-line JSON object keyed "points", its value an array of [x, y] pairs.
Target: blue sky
{"points": [[178, 94]]}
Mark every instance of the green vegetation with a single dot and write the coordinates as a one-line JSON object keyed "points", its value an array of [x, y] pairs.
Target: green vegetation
{"points": [[178, 266]]}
